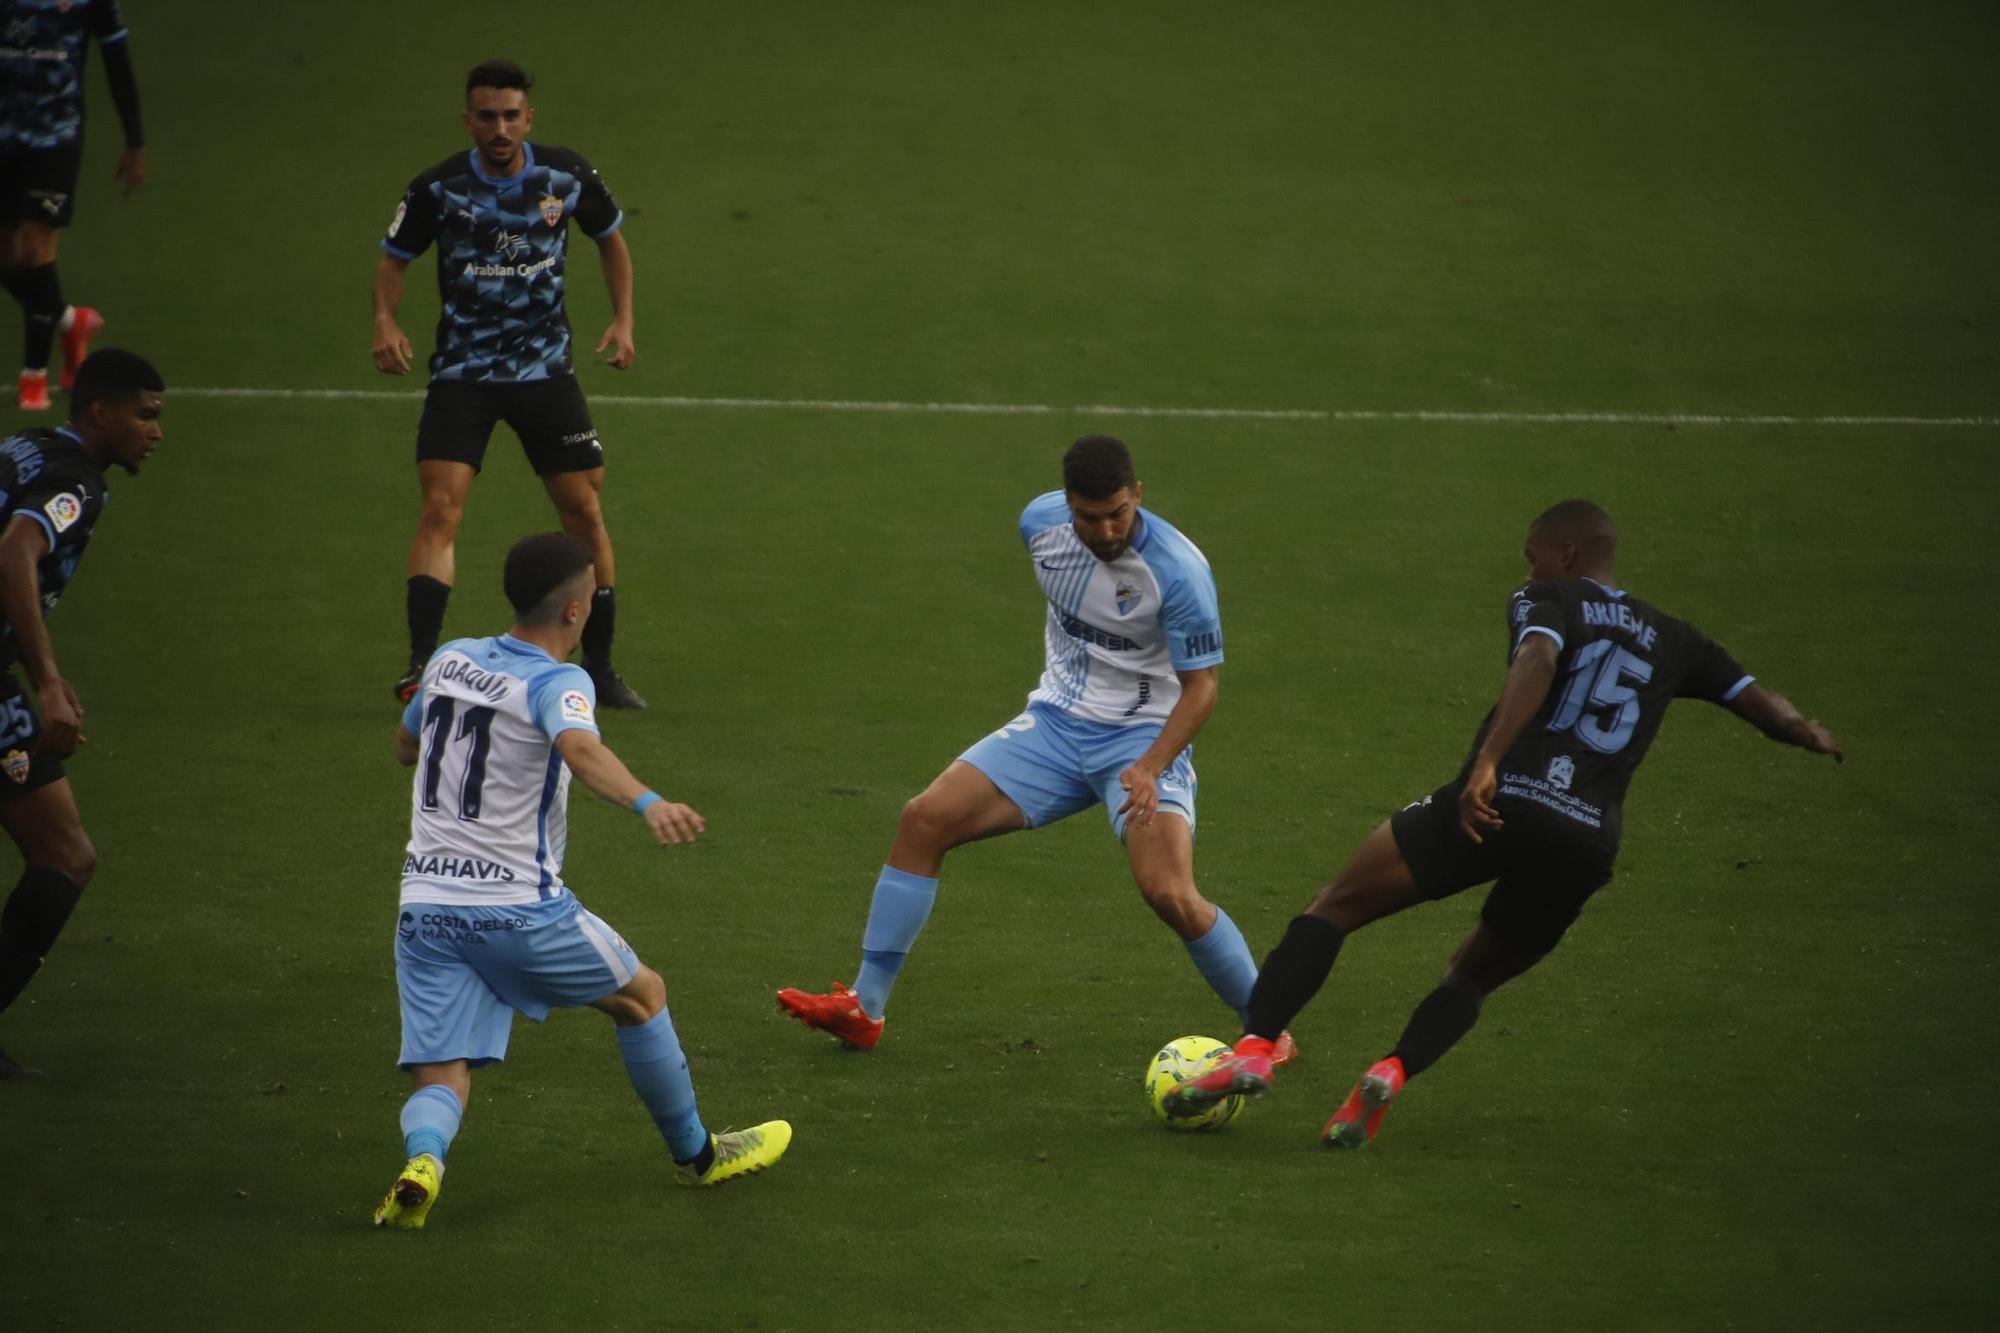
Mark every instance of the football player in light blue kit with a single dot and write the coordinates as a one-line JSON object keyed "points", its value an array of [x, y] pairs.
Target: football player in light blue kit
{"points": [[487, 927], [1134, 640]]}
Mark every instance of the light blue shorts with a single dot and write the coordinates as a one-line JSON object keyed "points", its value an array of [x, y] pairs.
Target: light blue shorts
{"points": [[1053, 765], [462, 972]]}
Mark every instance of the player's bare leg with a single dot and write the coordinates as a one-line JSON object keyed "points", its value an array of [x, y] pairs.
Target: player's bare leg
{"points": [[1480, 965], [444, 486], [578, 498], [30, 275], [961, 805], [59, 861], [1375, 882], [1161, 852]]}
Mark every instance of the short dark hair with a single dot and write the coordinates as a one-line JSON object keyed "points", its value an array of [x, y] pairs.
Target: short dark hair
{"points": [[497, 74], [538, 568], [109, 375], [1097, 467], [1580, 523]]}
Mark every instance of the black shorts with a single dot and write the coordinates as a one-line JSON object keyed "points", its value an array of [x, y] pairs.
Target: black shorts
{"points": [[22, 768], [1547, 867], [549, 416], [39, 184]]}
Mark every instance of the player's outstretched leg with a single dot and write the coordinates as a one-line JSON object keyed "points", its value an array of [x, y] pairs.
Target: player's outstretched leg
{"points": [[961, 805], [658, 1069], [430, 1120]]}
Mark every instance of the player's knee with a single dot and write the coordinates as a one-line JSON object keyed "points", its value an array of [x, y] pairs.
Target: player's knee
{"points": [[1177, 903], [924, 823], [33, 245], [441, 513], [73, 856]]}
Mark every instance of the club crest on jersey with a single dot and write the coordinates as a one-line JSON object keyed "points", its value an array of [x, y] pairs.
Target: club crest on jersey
{"points": [[1562, 771], [552, 209], [1129, 596], [575, 706], [16, 764], [63, 511]]}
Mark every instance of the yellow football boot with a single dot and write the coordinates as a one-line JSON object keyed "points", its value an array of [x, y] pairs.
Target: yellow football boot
{"points": [[742, 1152], [409, 1200]]}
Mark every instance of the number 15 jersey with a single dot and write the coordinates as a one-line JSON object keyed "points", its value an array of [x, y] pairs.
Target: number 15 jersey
{"points": [[489, 807], [1620, 662]]}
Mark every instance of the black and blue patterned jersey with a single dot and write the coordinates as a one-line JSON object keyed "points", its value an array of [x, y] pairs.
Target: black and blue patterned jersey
{"points": [[42, 48], [46, 476], [1619, 663], [502, 242]]}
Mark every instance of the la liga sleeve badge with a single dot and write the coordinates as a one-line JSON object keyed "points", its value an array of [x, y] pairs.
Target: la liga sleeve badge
{"points": [[575, 707], [64, 510]]}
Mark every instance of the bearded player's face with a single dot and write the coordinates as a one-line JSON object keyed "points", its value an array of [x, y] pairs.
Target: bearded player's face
{"points": [[499, 120]]}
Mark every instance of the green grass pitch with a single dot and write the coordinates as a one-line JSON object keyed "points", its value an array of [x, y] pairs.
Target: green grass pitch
{"points": [[1753, 1089]]}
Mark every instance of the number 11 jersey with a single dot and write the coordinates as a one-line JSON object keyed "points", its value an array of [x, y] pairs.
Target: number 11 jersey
{"points": [[489, 807], [1620, 663]]}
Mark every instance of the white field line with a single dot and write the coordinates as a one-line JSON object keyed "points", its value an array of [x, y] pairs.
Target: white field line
{"points": [[1362, 415]]}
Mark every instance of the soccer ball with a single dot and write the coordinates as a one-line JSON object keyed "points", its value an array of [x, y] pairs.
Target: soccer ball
{"points": [[1178, 1061]]}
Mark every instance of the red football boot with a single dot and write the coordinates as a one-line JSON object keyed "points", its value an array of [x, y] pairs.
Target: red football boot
{"points": [[84, 325], [1360, 1116], [34, 393], [839, 1013], [1244, 1072]]}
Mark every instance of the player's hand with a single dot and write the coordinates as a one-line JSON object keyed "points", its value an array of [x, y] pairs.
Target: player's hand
{"points": [[131, 169], [62, 720], [1820, 741], [618, 339], [392, 350], [672, 822], [1475, 803], [1142, 794]]}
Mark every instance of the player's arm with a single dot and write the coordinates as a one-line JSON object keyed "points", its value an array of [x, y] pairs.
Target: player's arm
{"points": [[591, 760], [406, 746], [22, 547], [392, 349], [616, 346], [1777, 717], [1521, 694], [107, 25], [1199, 690]]}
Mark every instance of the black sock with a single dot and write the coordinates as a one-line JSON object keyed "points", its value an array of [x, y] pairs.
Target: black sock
{"points": [[1445, 1015], [29, 924], [701, 1161], [1293, 974], [426, 600], [40, 292], [10, 278], [597, 630]]}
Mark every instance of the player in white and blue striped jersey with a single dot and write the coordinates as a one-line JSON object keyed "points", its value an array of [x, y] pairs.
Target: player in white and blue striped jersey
{"points": [[487, 928], [1134, 639]]}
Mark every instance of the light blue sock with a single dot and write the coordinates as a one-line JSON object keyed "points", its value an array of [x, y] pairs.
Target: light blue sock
{"points": [[659, 1072], [430, 1121], [1225, 963], [901, 905]]}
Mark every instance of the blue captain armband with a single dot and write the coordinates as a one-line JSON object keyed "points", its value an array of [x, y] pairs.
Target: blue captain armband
{"points": [[645, 799]]}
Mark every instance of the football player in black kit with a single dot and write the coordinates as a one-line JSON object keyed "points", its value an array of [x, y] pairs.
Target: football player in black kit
{"points": [[499, 215], [43, 47], [1536, 807], [51, 493]]}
